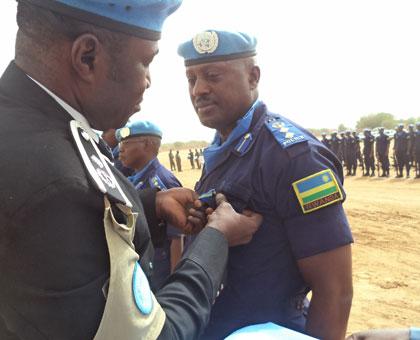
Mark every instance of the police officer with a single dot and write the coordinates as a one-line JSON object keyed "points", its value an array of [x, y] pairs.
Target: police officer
{"points": [[358, 151], [411, 147], [417, 149], [382, 151], [178, 161], [401, 150], [335, 143], [139, 146], [263, 161], [342, 149], [325, 140], [191, 158], [172, 160], [368, 153], [351, 154], [76, 237]]}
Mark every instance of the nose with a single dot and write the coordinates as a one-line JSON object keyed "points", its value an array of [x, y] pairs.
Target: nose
{"points": [[200, 88], [148, 79]]}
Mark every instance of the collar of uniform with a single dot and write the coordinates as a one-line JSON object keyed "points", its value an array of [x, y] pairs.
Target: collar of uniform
{"points": [[135, 179], [71, 111]]}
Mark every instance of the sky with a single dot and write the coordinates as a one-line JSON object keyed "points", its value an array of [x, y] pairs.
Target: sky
{"points": [[323, 62]]}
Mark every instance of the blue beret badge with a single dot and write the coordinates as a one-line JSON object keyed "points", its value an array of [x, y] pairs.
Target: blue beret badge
{"points": [[206, 42]]}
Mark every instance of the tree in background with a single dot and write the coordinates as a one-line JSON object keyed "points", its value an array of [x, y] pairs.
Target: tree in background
{"points": [[373, 120], [342, 127]]}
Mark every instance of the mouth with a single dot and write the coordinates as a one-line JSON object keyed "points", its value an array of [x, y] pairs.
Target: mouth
{"points": [[204, 107]]}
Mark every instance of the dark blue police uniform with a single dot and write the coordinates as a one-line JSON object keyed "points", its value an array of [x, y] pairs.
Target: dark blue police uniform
{"points": [[258, 171], [382, 150], [155, 175], [401, 148]]}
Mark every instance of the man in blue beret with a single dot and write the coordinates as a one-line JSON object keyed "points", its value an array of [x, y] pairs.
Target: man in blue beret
{"points": [[265, 162], [139, 144], [76, 237]]}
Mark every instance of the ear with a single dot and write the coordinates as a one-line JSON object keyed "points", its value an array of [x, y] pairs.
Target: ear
{"points": [[86, 56], [254, 77]]}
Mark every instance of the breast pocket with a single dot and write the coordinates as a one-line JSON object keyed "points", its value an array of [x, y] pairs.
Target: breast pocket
{"points": [[238, 195]]}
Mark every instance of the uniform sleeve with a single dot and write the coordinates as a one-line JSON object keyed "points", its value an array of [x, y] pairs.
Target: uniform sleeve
{"points": [[191, 290], [316, 231]]}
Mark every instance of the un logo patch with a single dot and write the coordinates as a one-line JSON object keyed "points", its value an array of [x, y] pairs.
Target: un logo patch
{"points": [[206, 42]]}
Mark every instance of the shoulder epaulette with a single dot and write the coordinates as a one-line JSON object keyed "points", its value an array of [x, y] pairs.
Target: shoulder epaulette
{"points": [[96, 165], [285, 133]]}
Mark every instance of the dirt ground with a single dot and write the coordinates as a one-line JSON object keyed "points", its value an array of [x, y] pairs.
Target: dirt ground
{"points": [[385, 218]]}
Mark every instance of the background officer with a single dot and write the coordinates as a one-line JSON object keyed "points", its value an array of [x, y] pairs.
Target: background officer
{"points": [[400, 150], [368, 153], [335, 144], [172, 160], [417, 149], [265, 162], [351, 154], [411, 147], [382, 151], [325, 140], [72, 225], [139, 147]]}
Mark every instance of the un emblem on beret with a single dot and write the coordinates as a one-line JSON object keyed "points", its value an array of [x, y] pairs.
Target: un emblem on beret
{"points": [[125, 132], [206, 42]]}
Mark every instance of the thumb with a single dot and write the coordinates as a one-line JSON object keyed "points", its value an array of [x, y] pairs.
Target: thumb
{"points": [[220, 198]]}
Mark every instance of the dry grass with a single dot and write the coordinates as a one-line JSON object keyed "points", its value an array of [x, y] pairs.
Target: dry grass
{"points": [[385, 219]]}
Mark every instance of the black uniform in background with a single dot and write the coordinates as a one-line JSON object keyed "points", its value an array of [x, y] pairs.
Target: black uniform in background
{"points": [[54, 258], [382, 152], [368, 154], [401, 149]]}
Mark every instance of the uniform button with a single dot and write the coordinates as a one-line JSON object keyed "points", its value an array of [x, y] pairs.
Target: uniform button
{"points": [[150, 265]]}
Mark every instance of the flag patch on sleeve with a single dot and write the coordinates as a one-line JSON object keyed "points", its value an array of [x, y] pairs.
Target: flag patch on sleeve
{"points": [[317, 191]]}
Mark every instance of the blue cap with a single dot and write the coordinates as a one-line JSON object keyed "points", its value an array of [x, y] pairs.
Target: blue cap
{"points": [[138, 128], [141, 18], [212, 45]]}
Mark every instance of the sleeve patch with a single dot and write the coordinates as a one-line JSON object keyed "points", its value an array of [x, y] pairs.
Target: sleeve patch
{"points": [[317, 191], [285, 133]]}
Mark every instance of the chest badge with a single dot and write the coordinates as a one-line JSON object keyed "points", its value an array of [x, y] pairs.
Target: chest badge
{"points": [[244, 143]]}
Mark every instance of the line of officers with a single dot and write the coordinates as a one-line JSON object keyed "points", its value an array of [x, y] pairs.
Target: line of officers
{"points": [[375, 153]]}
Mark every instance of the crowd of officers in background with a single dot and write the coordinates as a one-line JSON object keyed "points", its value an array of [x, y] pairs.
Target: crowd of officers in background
{"points": [[375, 154], [196, 159]]}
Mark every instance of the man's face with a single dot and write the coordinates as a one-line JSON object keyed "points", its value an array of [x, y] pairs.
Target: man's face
{"points": [[222, 92], [133, 153], [120, 84]]}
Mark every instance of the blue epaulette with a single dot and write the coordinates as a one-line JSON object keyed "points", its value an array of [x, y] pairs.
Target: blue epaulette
{"points": [[285, 133]]}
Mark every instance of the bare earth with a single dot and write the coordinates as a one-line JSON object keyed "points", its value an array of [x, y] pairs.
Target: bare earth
{"points": [[385, 218]]}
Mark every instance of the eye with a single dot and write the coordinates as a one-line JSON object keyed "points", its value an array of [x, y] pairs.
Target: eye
{"points": [[213, 76], [191, 80]]}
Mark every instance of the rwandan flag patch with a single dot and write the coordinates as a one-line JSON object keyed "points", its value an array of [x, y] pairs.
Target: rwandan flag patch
{"points": [[317, 191]]}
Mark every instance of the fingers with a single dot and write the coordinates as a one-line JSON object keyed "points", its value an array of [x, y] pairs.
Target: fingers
{"points": [[220, 198]]}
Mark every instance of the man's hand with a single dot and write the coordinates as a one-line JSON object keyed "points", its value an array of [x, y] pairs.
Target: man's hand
{"points": [[173, 206], [237, 228]]}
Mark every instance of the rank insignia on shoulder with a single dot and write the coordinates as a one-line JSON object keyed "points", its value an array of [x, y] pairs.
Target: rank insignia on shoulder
{"points": [[317, 191], [286, 134], [244, 143], [156, 182]]}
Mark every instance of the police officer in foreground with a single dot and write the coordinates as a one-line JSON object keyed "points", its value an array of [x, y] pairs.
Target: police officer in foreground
{"points": [[264, 162], [382, 142], [76, 237], [139, 143]]}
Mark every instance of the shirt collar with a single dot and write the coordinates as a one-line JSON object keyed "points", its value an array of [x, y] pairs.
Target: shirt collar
{"points": [[71, 111]]}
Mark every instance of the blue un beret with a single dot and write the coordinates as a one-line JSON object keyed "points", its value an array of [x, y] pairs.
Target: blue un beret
{"points": [[212, 45], [138, 128], [141, 18]]}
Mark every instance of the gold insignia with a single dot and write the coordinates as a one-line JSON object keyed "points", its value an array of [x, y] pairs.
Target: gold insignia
{"points": [[289, 135], [125, 132], [206, 42], [277, 125]]}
